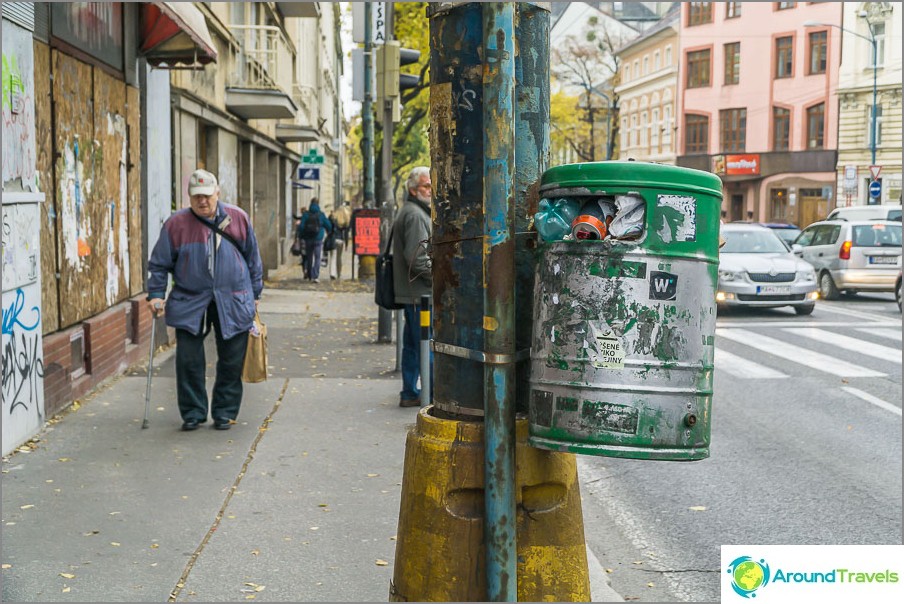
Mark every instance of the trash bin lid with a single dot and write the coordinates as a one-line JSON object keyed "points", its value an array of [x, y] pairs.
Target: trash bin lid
{"points": [[630, 174]]}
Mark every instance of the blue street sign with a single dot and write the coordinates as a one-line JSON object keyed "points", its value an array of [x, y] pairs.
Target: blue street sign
{"points": [[875, 189], [308, 173]]}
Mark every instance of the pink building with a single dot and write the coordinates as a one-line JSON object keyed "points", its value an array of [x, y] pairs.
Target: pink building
{"points": [[757, 104]]}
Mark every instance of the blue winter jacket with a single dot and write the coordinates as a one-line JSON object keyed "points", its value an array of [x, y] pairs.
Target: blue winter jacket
{"points": [[183, 250], [325, 224]]}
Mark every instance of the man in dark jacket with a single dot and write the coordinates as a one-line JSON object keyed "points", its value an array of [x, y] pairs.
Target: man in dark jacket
{"points": [[312, 229], [412, 277], [215, 282]]}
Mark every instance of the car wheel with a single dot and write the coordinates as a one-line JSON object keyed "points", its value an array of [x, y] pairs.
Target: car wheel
{"points": [[806, 309], [898, 294], [827, 288]]}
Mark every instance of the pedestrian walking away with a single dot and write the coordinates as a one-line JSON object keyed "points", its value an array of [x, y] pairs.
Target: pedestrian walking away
{"points": [[313, 228], [340, 220], [412, 277], [211, 252]]}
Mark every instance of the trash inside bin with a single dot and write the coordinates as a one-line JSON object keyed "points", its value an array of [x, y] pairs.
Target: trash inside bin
{"points": [[622, 350]]}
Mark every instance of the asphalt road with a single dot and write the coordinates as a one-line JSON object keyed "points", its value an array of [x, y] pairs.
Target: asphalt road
{"points": [[804, 451]]}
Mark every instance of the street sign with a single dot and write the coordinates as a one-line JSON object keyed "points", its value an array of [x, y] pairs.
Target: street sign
{"points": [[377, 19], [305, 173], [874, 172], [312, 157], [875, 189]]}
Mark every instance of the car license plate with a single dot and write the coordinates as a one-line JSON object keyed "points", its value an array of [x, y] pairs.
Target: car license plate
{"points": [[773, 289], [883, 259]]}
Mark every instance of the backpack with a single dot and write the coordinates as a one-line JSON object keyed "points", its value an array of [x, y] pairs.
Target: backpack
{"points": [[311, 226]]}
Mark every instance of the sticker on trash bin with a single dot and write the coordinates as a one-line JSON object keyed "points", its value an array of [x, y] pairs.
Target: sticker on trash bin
{"points": [[663, 286], [679, 218], [608, 352]]}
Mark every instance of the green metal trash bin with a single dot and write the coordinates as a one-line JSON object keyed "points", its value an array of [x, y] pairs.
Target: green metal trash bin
{"points": [[622, 343]]}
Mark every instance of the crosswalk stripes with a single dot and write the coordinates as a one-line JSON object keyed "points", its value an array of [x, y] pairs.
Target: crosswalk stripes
{"points": [[796, 354], [885, 353], [743, 368], [883, 332]]}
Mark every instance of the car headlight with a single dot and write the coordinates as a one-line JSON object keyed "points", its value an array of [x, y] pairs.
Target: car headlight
{"points": [[807, 275], [726, 275]]}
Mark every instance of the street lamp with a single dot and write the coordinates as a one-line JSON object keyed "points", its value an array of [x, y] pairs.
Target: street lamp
{"points": [[872, 40]]}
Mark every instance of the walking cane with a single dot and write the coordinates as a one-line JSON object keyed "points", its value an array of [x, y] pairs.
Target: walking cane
{"points": [[147, 396]]}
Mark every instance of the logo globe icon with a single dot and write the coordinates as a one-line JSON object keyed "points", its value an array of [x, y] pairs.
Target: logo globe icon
{"points": [[748, 575]]}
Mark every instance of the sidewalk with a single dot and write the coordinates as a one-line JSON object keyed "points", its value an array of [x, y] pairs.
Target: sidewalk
{"points": [[297, 502]]}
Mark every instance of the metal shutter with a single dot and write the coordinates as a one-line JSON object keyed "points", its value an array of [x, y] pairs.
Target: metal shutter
{"points": [[20, 13]]}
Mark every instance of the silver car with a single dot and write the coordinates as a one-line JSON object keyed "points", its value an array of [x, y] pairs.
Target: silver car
{"points": [[852, 255], [756, 269]]}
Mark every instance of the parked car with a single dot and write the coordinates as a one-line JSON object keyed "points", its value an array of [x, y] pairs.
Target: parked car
{"points": [[877, 212], [851, 256], [757, 269], [786, 231], [898, 290]]}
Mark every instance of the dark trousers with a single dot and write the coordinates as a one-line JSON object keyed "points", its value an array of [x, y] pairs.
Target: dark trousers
{"points": [[191, 367], [313, 258]]}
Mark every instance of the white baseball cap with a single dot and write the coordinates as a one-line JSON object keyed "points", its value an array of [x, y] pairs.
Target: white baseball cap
{"points": [[202, 182]]}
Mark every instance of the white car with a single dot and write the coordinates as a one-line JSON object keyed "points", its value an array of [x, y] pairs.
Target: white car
{"points": [[757, 270]]}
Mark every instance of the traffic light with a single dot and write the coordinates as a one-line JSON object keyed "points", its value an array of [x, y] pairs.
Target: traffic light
{"points": [[390, 57]]}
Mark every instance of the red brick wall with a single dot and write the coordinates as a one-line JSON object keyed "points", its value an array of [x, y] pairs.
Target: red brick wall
{"points": [[106, 353]]}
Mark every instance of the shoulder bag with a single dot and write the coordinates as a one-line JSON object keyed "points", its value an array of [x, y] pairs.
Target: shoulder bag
{"points": [[384, 288]]}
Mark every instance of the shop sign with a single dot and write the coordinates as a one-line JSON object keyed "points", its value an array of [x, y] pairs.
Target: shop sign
{"points": [[742, 164]]}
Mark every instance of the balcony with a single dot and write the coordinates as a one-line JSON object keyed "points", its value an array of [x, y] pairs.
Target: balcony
{"points": [[300, 10], [303, 130], [263, 60]]}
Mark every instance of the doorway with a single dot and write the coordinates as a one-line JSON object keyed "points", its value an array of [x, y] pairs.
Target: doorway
{"points": [[737, 207], [813, 207]]}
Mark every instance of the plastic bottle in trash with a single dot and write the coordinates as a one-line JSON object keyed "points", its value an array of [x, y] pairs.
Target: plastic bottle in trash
{"points": [[553, 220]]}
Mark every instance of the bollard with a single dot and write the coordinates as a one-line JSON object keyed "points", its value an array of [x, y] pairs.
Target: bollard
{"points": [[425, 352]]}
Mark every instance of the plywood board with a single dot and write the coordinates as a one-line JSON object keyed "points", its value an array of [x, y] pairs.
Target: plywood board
{"points": [[50, 307], [136, 252], [82, 263], [109, 197]]}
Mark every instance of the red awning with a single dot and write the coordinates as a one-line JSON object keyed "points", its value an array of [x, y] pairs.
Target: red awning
{"points": [[175, 32]]}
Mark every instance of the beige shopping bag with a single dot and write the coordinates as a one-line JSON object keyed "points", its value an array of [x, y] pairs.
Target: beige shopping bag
{"points": [[255, 369]]}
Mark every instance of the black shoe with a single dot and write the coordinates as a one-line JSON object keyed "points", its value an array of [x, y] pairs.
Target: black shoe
{"points": [[223, 424], [190, 424], [410, 402]]}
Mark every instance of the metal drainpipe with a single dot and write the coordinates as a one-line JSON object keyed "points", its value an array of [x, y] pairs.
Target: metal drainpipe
{"points": [[499, 303]]}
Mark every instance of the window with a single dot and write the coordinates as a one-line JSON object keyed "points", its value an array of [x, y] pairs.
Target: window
{"points": [[879, 35], [779, 199], [784, 57], [668, 56], [643, 130], [816, 126], [732, 63], [785, 5], [627, 75], [869, 124], [818, 52], [632, 139], [624, 133], [636, 68], [732, 10], [696, 138], [654, 133], [733, 130], [781, 129], [666, 127], [646, 65], [700, 13], [698, 69], [656, 63]]}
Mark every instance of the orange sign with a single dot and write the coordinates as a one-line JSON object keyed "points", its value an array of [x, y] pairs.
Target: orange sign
{"points": [[366, 232], [742, 164]]}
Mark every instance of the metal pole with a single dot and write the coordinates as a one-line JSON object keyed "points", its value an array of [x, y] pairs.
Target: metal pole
{"points": [[875, 70], [387, 205], [499, 293], [367, 110], [426, 382]]}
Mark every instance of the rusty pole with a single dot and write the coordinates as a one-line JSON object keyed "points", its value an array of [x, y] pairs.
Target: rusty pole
{"points": [[499, 298]]}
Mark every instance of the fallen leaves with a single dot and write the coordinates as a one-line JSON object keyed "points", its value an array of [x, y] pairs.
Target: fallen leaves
{"points": [[67, 575], [5, 566], [64, 459], [697, 508], [26, 507], [381, 562], [255, 552]]}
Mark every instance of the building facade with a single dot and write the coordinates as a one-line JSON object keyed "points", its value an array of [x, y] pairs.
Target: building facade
{"points": [[757, 105], [647, 93], [855, 97], [272, 98]]}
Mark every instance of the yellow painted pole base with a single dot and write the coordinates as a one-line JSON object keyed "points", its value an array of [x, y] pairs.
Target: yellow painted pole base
{"points": [[367, 266], [440, 554]]}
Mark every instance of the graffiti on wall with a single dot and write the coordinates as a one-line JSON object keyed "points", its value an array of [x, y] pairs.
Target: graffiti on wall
{"points": [[18, 108], [74, 190], [23, 359], [20, 254]]}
